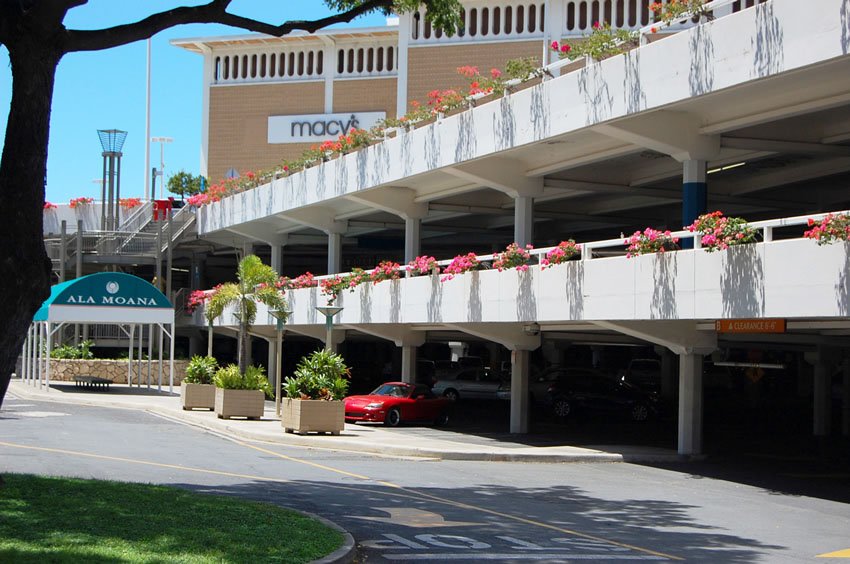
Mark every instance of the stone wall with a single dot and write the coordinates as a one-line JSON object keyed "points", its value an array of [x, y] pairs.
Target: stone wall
{"points": [[115, 370]]}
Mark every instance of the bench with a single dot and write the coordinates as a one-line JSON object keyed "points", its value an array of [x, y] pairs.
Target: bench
{"points": [[92, 382]]}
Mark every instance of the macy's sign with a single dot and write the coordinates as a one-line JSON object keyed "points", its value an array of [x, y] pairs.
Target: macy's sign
{"points": [[318, 127]]}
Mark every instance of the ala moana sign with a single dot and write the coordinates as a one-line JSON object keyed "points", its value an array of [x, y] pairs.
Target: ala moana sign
{"points": [[312, 128], [105, 297]]}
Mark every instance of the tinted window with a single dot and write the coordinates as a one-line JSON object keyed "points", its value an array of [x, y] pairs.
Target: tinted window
{"points": [[422, 391], [392, 390]]}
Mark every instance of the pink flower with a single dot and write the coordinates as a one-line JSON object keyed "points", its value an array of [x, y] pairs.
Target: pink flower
{"points": [[495, 73]]}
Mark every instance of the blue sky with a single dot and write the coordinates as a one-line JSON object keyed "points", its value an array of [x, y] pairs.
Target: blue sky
{"points": [[106, 90]]}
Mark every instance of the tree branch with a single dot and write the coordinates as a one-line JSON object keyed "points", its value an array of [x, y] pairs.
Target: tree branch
{"points": [[213, 12]]}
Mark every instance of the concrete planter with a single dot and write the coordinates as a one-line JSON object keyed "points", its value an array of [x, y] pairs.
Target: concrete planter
{"points": [[239, 403], [306, 416], [197, 395]]}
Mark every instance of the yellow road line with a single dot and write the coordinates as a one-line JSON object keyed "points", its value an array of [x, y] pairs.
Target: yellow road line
{"points": [[412, 494]]}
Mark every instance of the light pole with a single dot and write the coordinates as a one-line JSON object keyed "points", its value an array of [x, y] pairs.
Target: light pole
{"points": [[161, 172], [111, 141], [329, 311], [280, 316]]}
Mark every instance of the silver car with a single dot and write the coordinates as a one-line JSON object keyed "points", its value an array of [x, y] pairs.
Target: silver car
{"points": [[471, 383]]}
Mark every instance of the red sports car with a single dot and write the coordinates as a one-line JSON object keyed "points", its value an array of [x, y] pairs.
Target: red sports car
{"points": [[394, 402]]}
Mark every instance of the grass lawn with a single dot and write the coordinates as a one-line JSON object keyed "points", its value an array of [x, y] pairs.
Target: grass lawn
{"points": [[71, 520]]}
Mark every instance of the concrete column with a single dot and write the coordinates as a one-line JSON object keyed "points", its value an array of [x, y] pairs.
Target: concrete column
{"points": [[63, 249], [334, 252], [523, 220], [457, 349], [822, 397], [694, 193], [277, 257], [690, 404], [271, 373], [247, 249], [845, 400], [412, 238], [404, 29], [196, 345], [520, 369], [668, 375], [408, 364], [196, 272]]}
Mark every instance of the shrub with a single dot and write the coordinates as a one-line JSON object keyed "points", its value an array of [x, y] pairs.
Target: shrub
{"points": [[81, 351], [423, 266], [513, 257], [565, 251], [649, 241], [386, 270], [459, 265], [322, 375], [719, 232], [229, 378], [201, 370], [832, 228]]}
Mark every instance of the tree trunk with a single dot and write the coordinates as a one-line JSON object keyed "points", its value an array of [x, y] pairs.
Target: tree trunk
{"points": [[243, 347], [24, 266]]}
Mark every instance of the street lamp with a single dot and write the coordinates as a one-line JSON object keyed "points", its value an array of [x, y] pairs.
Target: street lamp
{"points": [[280, 316], [161, 173], [329, 311], [111, 141]]}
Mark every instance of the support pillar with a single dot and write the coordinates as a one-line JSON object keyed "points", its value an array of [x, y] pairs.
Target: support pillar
{"points": [[457, 349], [276, 257], [690, 404], [247, 249], [523, 220], [408, 364], [195, 346], [822, 397], [412, 238], [668, 375], [271, 373], [694, 193], [520, 369], [63, 249], [334, 252]]}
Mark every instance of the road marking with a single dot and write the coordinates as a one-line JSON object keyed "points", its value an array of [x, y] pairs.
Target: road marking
{"points": [[143, 462], [837, 554], [415, 518], [39, 413], [511, 556]]}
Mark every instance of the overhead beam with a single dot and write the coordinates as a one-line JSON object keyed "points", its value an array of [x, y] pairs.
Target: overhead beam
{"points": [[502, 174], [509, 335], [780, 146], [317, 217], [673, 133], [396, 200], [582, 160], [755, 118], [680, 336]]}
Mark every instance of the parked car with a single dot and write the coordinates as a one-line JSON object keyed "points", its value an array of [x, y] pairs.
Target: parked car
{"points": [[470, 383], [392, 403], [644, 373], [591, 390]]}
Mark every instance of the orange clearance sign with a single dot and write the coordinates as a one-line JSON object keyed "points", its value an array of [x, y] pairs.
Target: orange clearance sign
{"points": [[750, 325]]}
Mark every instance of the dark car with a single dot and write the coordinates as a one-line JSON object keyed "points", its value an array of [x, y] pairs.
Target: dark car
{"points": [[580, 390]]}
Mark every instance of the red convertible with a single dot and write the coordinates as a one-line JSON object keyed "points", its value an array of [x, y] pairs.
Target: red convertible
{"points": [[394, 402]]}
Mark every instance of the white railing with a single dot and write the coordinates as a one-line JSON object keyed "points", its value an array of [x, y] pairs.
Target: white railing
{"points": [[137, 218], [766, 228], [509, 19], [359, 61]]}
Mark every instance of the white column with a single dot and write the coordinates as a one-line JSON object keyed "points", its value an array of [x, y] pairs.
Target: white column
{"points": [[690, 404], [822, 397], [412, 238], [404, 29], [276, 257], [171, 361], [206, 86], [329, 72], [520, 368], [523, 220], [272, 360], [408, 364], [334, 252], [247, 249]]}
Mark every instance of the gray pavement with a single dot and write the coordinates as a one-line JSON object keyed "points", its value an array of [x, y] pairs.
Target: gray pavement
{"points": [[424, 442]]}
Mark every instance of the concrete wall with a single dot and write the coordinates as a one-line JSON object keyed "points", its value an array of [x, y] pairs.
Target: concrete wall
{"points": [[64, 370]]}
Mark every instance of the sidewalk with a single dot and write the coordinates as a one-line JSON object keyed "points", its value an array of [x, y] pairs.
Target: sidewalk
{"points": [[404, 441]]}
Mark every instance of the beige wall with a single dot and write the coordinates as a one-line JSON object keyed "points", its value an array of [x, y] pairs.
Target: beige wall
{"points": [[366, 95], [431, 68], [239, 123]]}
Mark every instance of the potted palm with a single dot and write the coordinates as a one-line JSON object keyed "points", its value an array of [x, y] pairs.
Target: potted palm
{"points": [[240, 394], [314, 395], [256, 283], [197, 389]]}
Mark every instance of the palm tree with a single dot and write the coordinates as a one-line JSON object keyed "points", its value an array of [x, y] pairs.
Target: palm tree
{"points": [[255, 283]]}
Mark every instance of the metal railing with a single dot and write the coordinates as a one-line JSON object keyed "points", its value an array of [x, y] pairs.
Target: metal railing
{"points": [[140, 217]]}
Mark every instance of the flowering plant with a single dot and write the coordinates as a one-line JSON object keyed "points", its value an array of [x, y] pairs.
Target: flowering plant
{"points": [[562, 253], [649, 241], [603, 42], [196, 299], [459, 265], [386, 270], [678, 9], [305, 280], [832, 228], [130, 203], [423, 266], [719, 232], [81, 201], [513, 256], [332, 287], [50, 206], [442, 101]]}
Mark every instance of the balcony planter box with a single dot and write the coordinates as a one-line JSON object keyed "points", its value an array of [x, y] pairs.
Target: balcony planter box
{"points": [[239, 403], [317, 416], [197, 396]]}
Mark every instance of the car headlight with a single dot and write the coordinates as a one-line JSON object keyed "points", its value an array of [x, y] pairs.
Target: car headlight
{"points": [[376, 405]]}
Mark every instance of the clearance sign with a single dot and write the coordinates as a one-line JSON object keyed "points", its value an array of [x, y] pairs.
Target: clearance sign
{"points": [[750, 325]]}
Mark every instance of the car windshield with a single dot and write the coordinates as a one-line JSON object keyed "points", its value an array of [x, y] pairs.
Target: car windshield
{"points": [[392, 390]]}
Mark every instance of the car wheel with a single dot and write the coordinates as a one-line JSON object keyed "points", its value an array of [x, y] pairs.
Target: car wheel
{"points": [[442, 419], [451, 394], [640, 412], [562, 408], [393, 417]]}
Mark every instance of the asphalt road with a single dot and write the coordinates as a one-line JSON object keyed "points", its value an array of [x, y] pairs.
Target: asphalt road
{"points": [[429, 511]]}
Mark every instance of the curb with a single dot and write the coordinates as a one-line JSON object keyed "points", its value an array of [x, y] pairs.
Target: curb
{"points": [[342, 555]]}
